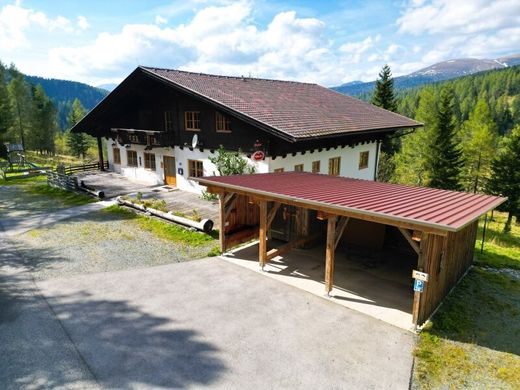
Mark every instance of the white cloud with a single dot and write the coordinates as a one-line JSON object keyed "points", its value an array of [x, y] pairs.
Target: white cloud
{"points": [[83, 23], [160, 20]]}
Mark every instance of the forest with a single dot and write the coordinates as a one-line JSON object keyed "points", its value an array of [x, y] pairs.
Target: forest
{"points": [[471, 135], [28, 116]]}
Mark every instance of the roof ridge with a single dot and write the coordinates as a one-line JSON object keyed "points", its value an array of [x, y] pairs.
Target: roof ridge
{"points": [[225, 76]]}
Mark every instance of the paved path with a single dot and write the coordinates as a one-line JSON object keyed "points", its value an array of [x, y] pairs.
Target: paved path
{"points": [[209, 323], [14, 225]]}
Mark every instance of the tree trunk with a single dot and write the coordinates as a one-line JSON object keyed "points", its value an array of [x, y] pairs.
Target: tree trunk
{"points": [[507, 226]]}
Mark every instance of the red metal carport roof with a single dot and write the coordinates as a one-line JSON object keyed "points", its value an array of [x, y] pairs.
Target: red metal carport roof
{"points": [[439, 209]]}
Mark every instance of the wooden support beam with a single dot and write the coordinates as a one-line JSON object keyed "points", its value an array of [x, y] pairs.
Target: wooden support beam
{"points": [[340, 228], [423, 252], [100, 153], [262, 234], [406, 234], [329, 254], [222, 221], [272, 214], [229, 204], [289, 246]]}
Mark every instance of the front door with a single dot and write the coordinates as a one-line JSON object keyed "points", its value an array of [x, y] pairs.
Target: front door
{"points": [[170, 177]]}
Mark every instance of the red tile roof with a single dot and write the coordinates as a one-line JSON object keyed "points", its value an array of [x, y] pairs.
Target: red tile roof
{"points": [[300, 110], [439, 209]]}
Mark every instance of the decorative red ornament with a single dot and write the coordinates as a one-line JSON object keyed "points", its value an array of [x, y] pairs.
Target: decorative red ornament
{"points": [[258, 155]]}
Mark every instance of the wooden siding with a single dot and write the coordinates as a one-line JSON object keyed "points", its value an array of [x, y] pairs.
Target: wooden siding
{"points": [[446, 260]]}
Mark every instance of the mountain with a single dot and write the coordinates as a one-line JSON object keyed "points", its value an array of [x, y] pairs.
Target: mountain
{"points": [[437, 72], [63, 92]]}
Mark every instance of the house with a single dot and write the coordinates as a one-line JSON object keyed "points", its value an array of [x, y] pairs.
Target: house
{"points": [[163, 125]]}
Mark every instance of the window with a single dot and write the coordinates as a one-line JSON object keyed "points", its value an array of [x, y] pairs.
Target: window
{"points": [[222, 123], [278, 170], [334, 166], [149, 161], [117, 155], [196, 168], [131, 158], [298, 168], [133, 138], [192, 120], [363, 160], [168, 120], [316, 166]]}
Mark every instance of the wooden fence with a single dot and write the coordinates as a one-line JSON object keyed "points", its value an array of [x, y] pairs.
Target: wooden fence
{"points": [[23, 173], [68, 170]]}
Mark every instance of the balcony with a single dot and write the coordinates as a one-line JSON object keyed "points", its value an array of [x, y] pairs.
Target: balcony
{"points": [[150, 138]]}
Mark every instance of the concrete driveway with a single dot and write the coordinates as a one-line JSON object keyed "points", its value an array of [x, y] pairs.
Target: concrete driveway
{"points": [[209, 323]]}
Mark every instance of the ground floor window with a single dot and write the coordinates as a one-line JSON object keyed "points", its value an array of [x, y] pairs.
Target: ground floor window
{"points": [[117, 155], [131, 158], [195, 168], [149, 161], [316, 166], [334, 163], [298, 168], [278, 170], [363, 160]]}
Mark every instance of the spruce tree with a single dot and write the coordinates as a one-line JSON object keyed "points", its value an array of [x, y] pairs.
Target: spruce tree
{"points": [[77, 143], [384, 97], [20, 102], [43, 122], [5, 109], [505, 179], [445, 158]]}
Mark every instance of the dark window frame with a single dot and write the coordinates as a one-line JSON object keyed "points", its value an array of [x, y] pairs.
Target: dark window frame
{"points": [[195, 168], [149, 161], [363, 159], [192, 119], [335, 166], [131, 161], [116, 154]]}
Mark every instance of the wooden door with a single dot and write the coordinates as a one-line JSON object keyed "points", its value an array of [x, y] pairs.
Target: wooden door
{"points": [[170, 177]]}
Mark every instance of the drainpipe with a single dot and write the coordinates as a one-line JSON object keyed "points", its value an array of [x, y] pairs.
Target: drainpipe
{"points": [[377, 159]]}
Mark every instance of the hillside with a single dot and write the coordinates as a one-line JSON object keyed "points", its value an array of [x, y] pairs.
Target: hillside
{"points": [[441, 71], [63, 93]]}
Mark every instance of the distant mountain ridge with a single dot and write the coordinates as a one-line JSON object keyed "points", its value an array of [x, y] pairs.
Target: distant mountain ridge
{"points": [[441, 71], [63, 92]]}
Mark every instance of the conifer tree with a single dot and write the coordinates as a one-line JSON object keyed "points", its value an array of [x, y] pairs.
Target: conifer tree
{"points": [[384, 97], [5, 110], [479, 143], [505, 179], [77, 143], [43, 122], [20, 103], [445, 158]]}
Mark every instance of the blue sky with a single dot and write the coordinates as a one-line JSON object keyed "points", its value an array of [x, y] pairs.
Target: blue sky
{"points": [[328, 42]]}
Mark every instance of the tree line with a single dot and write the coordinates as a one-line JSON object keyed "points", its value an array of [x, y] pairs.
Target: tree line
{"points": [[470, 140], [29, 117]]}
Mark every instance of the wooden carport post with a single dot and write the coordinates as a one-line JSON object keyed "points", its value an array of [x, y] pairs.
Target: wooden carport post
{"points": [[262, 234], [100, 153], [423, 252]]}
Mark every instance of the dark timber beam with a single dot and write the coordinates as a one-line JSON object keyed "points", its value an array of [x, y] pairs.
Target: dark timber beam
{"points": [[100, 153], [340, 228], [222, 221], [329, 254], [406, 234]]}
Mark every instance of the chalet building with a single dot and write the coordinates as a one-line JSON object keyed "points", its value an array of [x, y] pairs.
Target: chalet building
{"points": [[163, 125]]}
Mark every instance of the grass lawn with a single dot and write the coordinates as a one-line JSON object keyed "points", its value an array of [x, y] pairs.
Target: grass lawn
{"points": [[473, 341], [168, 231]]}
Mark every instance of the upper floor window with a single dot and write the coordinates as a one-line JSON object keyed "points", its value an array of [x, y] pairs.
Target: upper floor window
{"points": [[334, 164], [149, 161], [152, 140], [316, 166], [363, 160], [298, 168], [168, 120], [195, 168], [192, 120], [222, 123], [133, 138], [117, 155], [131, 158]]}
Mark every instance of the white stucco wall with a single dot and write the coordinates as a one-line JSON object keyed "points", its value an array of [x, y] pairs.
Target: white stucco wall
{"points": [[349, 165]]}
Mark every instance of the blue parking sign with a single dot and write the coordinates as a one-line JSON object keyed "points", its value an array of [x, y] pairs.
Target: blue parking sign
{"points": [[418, 285]]}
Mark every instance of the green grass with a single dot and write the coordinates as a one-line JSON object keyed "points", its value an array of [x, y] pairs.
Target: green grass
{"points": [[501, 250], [164, 230], [24, 181], [66, 198], [473, 341]]}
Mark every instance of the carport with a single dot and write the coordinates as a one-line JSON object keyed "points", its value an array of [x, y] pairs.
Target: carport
{"points": [[438, 226]]}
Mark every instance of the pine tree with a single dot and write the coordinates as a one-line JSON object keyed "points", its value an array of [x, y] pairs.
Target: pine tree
{"points": [[505, 180], [20, 103], [5, 110], [43, 122], [384, 97], [78, 143], [445, 158], [479, 143]]}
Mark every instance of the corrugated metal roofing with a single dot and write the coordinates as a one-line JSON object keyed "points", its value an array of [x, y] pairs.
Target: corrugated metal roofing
{"points": [[440, 209], [300, 110]]}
